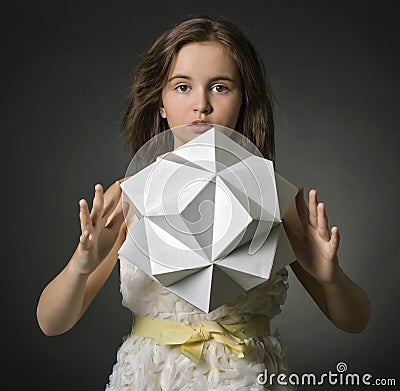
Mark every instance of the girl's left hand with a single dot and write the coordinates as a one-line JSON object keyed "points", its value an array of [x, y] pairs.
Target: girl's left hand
{"points": [[315, 248]]}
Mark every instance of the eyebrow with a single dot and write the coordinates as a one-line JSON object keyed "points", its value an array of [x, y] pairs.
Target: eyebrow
{"points": [[215, 78]]}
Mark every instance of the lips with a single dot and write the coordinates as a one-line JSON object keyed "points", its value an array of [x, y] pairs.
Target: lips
{"points": [[200, 126]]}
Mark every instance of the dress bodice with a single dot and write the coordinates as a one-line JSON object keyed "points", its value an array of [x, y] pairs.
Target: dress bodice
{"points": [[146, 297], [144, 365]]}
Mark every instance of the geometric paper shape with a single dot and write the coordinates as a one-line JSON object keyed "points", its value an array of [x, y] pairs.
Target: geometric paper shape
{"points": [[208, 218]]}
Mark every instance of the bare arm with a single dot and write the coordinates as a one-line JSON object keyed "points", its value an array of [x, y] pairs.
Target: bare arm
{"points": [[68, 295], [342, 301], [317, 266]]}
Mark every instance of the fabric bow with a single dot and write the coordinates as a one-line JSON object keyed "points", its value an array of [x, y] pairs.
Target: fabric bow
{"points": [[192, 339]]}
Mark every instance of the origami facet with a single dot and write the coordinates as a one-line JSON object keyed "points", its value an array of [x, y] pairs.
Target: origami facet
{"points": [[208, 220]]}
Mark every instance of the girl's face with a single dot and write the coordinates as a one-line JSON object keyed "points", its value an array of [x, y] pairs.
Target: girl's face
{"points": [[203, 86]]}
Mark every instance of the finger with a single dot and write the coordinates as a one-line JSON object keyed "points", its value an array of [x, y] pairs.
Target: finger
{"points": [[323, 229], [98, 203], [84, 216], [113, 201], [301, 207], [335, 238], [84, 239], [312, 207]]}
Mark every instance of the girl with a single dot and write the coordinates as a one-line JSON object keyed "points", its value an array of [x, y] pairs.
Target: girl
{"points": [[199, 71]]}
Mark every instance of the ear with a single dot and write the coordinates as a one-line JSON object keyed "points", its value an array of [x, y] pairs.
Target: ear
{"points": [[163, 112]]}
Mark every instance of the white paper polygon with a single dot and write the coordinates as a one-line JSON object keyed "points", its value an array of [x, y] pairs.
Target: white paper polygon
{"points": [[209, 220]]}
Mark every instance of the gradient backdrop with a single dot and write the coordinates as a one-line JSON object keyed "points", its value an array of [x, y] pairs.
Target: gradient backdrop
{"points": [[67, 67]]}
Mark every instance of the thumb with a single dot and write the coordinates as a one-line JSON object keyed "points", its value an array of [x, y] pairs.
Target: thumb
{"points": [[117, 217], [293, 238]]}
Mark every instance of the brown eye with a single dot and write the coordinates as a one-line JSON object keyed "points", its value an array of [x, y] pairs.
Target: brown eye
{"points": [[182, 88], [220, 88]]}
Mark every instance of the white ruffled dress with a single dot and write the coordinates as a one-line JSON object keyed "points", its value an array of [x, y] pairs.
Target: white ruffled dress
{"points": [[145, 366]]}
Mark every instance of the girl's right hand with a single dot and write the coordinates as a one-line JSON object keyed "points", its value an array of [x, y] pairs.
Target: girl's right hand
{"points": [[99, 228]]}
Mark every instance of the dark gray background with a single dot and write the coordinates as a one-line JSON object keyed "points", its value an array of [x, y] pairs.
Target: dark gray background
{"points": [[66, 69]]}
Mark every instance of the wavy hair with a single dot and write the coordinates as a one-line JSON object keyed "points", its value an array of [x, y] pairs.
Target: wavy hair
{"points": [[142, 119]]}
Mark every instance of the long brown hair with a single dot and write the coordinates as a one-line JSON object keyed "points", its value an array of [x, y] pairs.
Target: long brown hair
{"points": [[142, 120]]}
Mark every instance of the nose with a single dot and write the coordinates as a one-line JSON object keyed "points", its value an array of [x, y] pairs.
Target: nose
{"points": [[201, 103]]}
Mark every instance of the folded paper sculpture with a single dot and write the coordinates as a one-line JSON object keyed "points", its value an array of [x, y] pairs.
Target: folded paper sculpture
{"points": [[208, 219]]}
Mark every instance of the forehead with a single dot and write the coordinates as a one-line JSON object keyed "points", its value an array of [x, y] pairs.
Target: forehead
{"points": [[203, 58]]}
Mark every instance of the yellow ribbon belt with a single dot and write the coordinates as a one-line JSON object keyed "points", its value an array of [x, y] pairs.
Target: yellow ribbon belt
{"points": [[191, 339]]}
